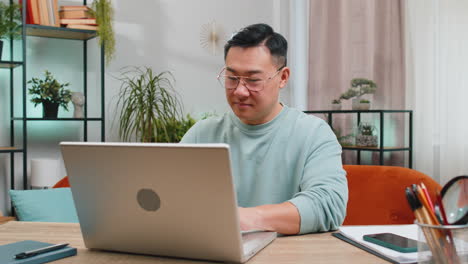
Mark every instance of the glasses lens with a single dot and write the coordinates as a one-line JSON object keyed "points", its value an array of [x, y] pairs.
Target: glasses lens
{"points": [[229, 82], [254, 84]]}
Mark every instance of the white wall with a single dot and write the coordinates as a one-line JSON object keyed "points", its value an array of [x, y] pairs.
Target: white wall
{"points": [[161, 34]]}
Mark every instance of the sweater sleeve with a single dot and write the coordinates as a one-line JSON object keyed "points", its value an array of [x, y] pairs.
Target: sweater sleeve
{"points": [[323, 194]]}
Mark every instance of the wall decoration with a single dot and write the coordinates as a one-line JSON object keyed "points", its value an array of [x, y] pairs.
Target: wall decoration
{"points": [[212, 38]]}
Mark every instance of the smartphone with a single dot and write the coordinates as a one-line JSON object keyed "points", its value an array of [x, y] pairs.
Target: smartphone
{"points": [[393, 241]]}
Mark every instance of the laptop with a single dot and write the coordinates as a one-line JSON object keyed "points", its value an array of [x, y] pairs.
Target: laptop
{"points": [[174, 200]]}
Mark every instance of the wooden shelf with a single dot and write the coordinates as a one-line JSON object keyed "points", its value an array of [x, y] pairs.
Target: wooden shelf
{"points": [[10, 64], [9, 149], [59, 32], [58, 119], [376, 148]]}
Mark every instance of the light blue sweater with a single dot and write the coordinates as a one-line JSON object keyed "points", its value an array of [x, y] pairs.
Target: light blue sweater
{"points": [[295, 157]]}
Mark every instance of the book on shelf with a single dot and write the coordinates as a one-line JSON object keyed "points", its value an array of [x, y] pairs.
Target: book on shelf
{"points": [[74, 12], [80, 21], [78, 26], [44, 13], [32, 11], [74, 7]]}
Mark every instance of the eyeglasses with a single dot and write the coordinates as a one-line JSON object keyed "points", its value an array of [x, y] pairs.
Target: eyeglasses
{"points": [[251, 83]]}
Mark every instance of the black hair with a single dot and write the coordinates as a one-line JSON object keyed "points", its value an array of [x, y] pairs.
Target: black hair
{"points": [[260, 34]]}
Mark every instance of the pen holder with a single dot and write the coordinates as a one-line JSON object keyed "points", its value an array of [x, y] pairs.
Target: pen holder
{"points": [[445, 244]]}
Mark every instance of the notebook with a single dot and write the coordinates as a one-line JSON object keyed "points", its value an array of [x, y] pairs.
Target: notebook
{"points": [[175, 200], [8, 252]]}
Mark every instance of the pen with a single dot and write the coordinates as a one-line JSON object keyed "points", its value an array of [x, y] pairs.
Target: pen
{"points": [[31, 253]]}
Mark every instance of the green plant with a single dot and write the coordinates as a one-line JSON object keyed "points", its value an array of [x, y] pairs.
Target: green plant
{"points": [[49, 90], [344, 140], [364, 101], [10, 21], [150, 110], [103, 11], [366, 129], [359, 86], [336, 101]]}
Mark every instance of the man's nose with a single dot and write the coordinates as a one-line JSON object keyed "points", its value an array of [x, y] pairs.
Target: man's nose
{"points": [[241, 89]]}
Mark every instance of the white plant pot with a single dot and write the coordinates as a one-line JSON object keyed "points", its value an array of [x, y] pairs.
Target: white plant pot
{"points": [[336, 107], [364, 106]]}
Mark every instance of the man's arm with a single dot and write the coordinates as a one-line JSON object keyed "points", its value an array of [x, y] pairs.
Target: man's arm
{"points": [[283, 218]]}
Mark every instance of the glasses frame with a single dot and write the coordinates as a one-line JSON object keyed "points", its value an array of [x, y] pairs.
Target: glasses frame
{"points": [[239, 78]]}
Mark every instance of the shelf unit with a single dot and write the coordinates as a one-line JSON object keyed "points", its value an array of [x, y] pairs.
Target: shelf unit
{"points": [[41, 31], [381, 148]]}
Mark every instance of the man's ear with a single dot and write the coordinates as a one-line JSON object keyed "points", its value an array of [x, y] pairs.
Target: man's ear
{"points": [[284, 75]]}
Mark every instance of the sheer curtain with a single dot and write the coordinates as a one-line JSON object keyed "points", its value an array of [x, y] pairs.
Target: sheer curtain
{"points": [[359, 39], [437, 60]]}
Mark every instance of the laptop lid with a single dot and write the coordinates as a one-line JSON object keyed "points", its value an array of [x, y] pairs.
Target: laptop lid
{"points": [[162, 199]]}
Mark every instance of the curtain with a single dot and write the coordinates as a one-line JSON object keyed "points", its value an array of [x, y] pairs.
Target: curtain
{"points": [[437, 48], [359, 39]]}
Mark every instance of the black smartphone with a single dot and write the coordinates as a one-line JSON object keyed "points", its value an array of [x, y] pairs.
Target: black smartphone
{"points": [[393, 241]]}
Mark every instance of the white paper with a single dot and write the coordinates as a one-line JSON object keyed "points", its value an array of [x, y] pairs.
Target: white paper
{"points": [[357, 232]]}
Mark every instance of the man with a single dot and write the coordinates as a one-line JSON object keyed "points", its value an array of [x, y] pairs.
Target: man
{"points": [[286, 164]]}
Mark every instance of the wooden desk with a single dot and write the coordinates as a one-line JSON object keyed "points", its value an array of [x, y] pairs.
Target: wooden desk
{"points": [[314, 248]]}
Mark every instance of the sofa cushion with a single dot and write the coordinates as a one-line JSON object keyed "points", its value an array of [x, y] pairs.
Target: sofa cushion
{"points": [[50, 205]]}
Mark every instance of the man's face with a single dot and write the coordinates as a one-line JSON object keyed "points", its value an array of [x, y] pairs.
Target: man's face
{"points": [[255, 107]]}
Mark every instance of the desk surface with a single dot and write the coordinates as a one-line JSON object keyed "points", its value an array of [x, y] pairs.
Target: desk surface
{"points": [[313, 248]]}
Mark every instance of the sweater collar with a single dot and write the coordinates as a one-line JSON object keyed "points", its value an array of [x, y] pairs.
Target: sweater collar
{"points": [[262, 127]]}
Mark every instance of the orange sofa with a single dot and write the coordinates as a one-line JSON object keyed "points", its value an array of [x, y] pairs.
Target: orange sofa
{"points": [[376, 194]]}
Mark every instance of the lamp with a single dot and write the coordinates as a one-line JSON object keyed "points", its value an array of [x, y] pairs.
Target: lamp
{"points": [[44, 173]]}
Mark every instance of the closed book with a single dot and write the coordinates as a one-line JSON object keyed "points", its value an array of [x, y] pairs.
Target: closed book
{"points": [[84, 21], [74, 14], [9, 251], [87, 27], [36, 19], [75, 7]]}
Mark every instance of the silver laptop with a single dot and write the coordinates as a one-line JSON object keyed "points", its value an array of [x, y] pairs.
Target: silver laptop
{"points": [[173, 200]]}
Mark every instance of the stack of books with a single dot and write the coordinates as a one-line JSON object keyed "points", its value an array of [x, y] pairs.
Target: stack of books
{"points": [[77, 17], [42, 12]]}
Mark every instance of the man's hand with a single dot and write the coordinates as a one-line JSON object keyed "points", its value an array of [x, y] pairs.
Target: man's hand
{"points": [[250, 219], [283, 218]]}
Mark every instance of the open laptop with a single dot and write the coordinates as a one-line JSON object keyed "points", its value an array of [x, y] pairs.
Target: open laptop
{"points": [[173, 200]]}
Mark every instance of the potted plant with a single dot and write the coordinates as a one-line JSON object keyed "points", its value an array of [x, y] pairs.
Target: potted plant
{"points": [[365, 136], [103, 11], [359, 87], [364, 104], [336, 104], [50, 93], [10, 23], [150, 110]]}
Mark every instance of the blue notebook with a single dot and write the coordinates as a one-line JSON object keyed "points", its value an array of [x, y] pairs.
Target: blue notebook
{"points": [[8, 252]]}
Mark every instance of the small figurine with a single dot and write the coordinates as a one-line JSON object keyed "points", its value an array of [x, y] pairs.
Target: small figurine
{"points": [[78, 101]]}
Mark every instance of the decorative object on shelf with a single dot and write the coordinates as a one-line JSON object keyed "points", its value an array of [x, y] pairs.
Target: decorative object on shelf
{"points": [[344, 140], [364, 104], [150, 110], [10, 23], [212, 38], [336, 104], [359, 87], [78, 100], [50, 93], [103, 11], [44, 173], [365, 136]]}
